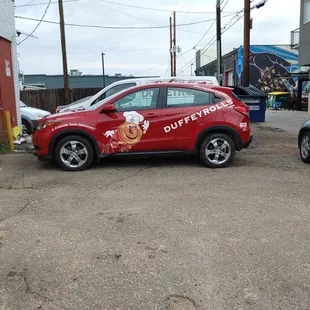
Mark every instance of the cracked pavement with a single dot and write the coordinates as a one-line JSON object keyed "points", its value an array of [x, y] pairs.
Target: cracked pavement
{"points": [[157, 234]]}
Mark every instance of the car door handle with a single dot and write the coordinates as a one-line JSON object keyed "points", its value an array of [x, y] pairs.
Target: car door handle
{"points": [[151, 115]]}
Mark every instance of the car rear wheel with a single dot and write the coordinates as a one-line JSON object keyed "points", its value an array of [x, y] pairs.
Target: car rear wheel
{"points": [[74, 153], [217, 151], [305, 148]]}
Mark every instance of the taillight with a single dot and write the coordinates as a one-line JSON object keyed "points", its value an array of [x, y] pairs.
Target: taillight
{"points": [[243, 110]]}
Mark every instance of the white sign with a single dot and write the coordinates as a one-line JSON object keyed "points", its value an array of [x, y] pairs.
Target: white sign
{"points": [[249, 101], [254, 107], [7, 68]]}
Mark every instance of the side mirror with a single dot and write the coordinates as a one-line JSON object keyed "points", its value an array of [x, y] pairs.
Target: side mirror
{"points": [[109, 108]]}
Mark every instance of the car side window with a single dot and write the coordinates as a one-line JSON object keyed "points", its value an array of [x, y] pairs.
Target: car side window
{"points": [[184, 97], [144, 99], [118, 88], [218, 99], [112, 91]]}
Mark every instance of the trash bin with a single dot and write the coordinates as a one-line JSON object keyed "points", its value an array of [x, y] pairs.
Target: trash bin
{"points": [[255, 99], [278, 100]]}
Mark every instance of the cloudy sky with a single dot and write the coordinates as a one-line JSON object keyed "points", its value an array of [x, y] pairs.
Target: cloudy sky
{"points": [[140, 51]]}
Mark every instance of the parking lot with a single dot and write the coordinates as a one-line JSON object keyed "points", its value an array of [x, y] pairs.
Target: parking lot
{"points": [[158, 233]]}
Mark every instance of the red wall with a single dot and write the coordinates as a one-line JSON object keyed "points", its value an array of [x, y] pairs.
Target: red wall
{"points": [[7, 99]]}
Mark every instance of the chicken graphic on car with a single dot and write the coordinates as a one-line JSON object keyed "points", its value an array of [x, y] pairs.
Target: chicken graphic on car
{"points": [[128, 134]]}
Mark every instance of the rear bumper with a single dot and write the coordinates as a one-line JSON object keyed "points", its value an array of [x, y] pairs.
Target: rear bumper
{"points": [[247, 144]]}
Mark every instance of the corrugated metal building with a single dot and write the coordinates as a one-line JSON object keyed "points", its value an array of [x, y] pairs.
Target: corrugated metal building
{"points": [[81, 81]]}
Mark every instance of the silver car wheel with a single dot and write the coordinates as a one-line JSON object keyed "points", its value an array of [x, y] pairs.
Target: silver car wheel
{"points": [[305, 147], [218, 151], [73, 154]]}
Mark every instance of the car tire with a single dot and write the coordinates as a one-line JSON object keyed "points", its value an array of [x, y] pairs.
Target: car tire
{"points": [[305, 147], [74, 153], [26, 127], [217, 151]]}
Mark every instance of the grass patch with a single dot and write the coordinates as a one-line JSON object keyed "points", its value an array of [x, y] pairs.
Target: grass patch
{"points": [[5, 186], [4, 148], [8, 186]]}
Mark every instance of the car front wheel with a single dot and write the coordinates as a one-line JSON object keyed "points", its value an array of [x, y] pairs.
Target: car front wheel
{"points": [[217, 151], [26, 128], [305, 147], [74, 153]]}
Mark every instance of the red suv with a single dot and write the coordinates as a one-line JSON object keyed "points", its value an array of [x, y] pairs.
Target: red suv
{"points": [[209, 121]]}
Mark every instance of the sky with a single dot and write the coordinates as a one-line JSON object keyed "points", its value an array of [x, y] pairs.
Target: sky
{"points": [[140, 51]]}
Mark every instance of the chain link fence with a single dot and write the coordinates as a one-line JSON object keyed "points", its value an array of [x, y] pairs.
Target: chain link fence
{"points": [[4, 141]]}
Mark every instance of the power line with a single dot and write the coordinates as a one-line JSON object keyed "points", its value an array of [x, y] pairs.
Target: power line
{"points": [[89, 52], [40, 21], [126, 5], [191, 6], [151, 68], [113, 27], [35, 4], [156, 9], [205, 33], [139, 18], [202, 36], [131, 15], [167, 68], [213, 39], [29, 2], [189, 63], [224, 5]]}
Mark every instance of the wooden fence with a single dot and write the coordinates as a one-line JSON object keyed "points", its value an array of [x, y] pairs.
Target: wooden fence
{"points": [[49, 99]]}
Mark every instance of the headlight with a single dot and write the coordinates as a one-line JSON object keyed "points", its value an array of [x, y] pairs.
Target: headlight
{"points": [[45, 124]]}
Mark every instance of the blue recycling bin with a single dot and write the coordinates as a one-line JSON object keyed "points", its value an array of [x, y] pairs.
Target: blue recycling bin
{"points": [[255, 99]]}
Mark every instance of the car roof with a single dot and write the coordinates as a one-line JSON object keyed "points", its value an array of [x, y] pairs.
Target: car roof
{"points": [[168, 79], [181, 85]]}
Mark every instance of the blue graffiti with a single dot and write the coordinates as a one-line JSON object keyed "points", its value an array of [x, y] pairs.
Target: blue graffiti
{"points": [[277, 105]]}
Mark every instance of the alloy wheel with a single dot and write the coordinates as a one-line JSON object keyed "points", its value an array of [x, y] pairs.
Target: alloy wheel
{"points": [[73, 154], [305, 146], [218, 151]]}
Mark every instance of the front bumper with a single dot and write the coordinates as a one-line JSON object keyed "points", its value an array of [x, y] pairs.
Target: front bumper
{"points": [[247, 144], [43, 158]]}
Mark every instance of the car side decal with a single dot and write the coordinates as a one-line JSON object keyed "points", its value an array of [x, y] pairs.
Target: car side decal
{"points": [[199, 114], [73, 125], [128, 134]]}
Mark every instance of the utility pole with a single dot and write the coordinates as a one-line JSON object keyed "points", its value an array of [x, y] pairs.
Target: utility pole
{"points": [[219, 41], [64, 52], [192, 69], [174, 45], [103, 74], [171, 54], [246, 43]]}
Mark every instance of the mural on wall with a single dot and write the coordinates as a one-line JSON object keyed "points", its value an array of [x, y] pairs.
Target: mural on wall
{"points": [[270, 67]]}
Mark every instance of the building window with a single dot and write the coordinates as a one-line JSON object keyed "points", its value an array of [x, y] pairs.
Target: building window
{"points": [[306, 11]]}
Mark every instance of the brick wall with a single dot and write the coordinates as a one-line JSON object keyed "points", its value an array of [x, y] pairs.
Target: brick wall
{"points": [[7, 31]]}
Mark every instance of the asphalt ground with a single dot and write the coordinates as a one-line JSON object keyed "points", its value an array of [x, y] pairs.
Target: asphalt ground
{"points": [[158, 233]]}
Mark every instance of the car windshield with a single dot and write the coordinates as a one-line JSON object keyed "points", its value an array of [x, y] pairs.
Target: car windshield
{"points": [[100, 103], [80, 101]]}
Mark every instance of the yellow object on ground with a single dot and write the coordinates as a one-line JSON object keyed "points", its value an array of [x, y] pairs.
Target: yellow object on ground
{"points": [[16, 132], [9, 129]]}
